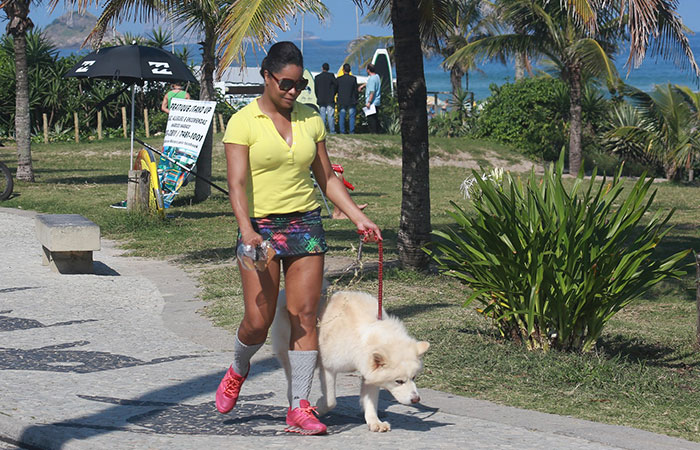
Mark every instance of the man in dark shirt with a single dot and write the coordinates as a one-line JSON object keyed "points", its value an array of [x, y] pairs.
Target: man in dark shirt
{"points": [[326, 87], [347, 99]]}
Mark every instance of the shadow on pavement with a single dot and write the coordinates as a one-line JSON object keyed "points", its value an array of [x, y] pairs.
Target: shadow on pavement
{"points": [[165, 412]]}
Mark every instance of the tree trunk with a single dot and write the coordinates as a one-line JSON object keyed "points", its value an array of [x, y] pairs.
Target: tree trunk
{"points": [[456, 74], [519, 66], [414, 227], [519, 59], [17, 13], [202, 190], [575, 120], [697, 299]]}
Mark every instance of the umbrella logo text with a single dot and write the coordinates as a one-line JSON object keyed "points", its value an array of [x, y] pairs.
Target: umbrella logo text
{"points": [[160, 68], [84, 66]]}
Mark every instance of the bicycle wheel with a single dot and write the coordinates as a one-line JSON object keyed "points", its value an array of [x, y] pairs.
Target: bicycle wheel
{"points": [[6, 183], [145, 160]]}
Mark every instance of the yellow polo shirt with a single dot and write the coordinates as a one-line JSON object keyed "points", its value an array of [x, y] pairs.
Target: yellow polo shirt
{"points": [[279, 181]]}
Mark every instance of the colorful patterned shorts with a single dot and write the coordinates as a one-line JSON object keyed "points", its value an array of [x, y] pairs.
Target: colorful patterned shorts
{"points": [[293, 234]]}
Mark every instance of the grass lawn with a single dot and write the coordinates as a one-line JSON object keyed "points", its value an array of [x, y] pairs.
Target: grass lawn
{"points": [[645, 372]]}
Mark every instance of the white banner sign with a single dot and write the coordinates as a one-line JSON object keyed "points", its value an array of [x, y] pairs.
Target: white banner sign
{"points": [[188, 124]]}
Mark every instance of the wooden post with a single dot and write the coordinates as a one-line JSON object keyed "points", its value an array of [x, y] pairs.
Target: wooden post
{"points": [[46, 128], [124, 121], [221, 122], [697, 298], [138, 190], [215, 128], [145, 121], [77, 127], [99, 125]]}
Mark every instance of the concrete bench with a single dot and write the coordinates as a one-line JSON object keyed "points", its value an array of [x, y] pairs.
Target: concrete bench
{"points": [[68, 241]]}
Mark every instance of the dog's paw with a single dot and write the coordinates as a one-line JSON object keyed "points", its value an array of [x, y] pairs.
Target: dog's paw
{"points": [[322, 406], [379, 426]]}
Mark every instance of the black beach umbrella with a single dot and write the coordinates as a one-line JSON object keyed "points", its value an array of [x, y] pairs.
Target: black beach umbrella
{"points": [[132, 64]]}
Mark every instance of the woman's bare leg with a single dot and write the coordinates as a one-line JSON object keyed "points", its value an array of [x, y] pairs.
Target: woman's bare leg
{"points": [[260, 291], [303, 279]]}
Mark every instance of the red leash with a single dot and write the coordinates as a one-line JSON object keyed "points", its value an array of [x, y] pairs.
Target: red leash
{"points": [[381, 279], [368, 236]]}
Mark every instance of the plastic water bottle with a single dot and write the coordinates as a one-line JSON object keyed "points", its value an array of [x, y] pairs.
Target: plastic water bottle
{"points": [[255, 258]]}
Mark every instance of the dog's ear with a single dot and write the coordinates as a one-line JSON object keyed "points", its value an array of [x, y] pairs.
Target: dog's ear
{"points": [[422, 347], [378, 360]]}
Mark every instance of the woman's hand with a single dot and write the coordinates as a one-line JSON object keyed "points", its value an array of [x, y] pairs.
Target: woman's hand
{"points": [[368, 229], [251, 238]]}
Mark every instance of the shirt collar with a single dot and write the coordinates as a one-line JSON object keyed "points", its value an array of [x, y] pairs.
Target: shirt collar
{"points": [[257, 112]]}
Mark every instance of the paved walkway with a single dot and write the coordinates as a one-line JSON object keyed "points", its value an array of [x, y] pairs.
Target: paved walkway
{"points": [[122, 360]]}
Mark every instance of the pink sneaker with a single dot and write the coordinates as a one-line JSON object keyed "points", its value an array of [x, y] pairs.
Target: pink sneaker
{"points": [[227, 393], [303, 420]]}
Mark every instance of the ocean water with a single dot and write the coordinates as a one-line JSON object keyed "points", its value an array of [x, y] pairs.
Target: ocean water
{"points": [[649, 74], [316, 51]]}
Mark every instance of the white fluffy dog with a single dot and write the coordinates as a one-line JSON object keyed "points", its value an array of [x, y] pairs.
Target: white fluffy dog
{"points": [[351, 338]]}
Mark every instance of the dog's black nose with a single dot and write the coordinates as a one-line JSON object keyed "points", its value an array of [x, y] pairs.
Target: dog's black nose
{"points": [[415, 399]]}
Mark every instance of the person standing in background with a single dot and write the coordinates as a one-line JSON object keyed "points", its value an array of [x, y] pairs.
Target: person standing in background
{"points": [[347, 99], [175, 91], [372, 97], [326, 87]]}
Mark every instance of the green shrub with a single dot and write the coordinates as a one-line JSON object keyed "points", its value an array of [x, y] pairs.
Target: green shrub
{"points": [[157, 121], [528, 114], [607, 163], [552, 265], [449, 124]]}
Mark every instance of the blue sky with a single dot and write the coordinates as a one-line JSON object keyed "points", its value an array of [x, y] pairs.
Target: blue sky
{"points": [[340, 26]]}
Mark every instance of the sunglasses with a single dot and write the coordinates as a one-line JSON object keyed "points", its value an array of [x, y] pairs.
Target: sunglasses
{"points": [[286, 84]]}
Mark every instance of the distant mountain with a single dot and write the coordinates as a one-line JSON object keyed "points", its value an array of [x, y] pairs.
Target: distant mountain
{"points": [[71, 29]]}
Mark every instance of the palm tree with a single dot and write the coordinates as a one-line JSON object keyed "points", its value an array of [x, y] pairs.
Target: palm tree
{"points": [[643, 19], [414, 225], [665, 127], [204, 18], [470, 21], [160, 38], [549, 30], [415, 23], [19, 24]]}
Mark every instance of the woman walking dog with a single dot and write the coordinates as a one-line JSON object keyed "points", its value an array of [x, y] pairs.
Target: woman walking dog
{"points": [[270, 145]]}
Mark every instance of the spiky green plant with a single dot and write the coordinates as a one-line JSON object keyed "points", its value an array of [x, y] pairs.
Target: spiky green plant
{"points": [[550, 264]]}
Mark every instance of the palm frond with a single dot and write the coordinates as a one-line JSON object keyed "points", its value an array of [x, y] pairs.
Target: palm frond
{"points": [[596, 60], [436, 16], [691, 97], [643, 102], [491, 47], [197, 16], [584, 11], [362, 49], [117, 11], [656, 24], [256, 21]]}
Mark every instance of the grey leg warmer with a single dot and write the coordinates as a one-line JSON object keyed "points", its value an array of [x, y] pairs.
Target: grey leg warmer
{"points": [[242, 354], [303, 364]]}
